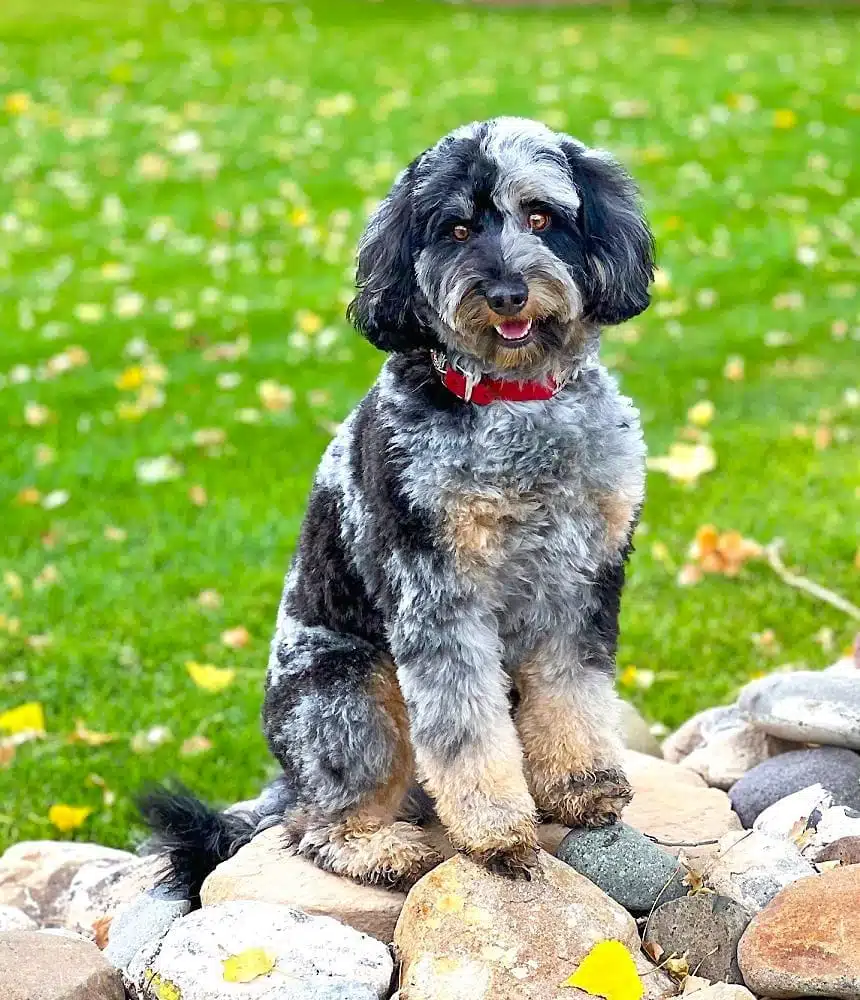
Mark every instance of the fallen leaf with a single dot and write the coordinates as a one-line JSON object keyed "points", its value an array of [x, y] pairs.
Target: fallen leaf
{"points": [[209, 677], [692, 984], [68, 818], [157, 470], [608, 971], [685, 462], [90, 738], [147, 740], [734, 369], [702, 413], [101, 931], [653, 950], [677, 967], [114, 534], [26, 718], [248, 965], [197, 495], [209, 599], [7, 753], [195, 745], [236, 638]]}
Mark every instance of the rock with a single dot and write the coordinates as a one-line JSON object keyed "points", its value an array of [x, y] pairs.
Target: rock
{"points": [[724, 991], [846, 851], [721, 746], [848, 666], [625, 865], [805, 806], [265, 870], [35, 875], [315, 957], [806, 941], [836, 769], [636, 732], [810, 817], [751, 868], [806, 706], [675, 806], [98, 890], [13, 919], [705, 928], [147, 918], [466, 934], [36, 966]]}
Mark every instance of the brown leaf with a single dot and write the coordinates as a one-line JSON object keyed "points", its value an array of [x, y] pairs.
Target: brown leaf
{"points": [[101, 931]]}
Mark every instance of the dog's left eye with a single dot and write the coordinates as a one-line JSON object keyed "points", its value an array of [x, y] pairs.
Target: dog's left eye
{"points": [[539, 221]]}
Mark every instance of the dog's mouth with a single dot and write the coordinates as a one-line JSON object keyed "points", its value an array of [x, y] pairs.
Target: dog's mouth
{"points": [[514, 332]]}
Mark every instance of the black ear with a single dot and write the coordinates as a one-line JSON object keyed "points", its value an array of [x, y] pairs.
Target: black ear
{"points": [[383, 309], [619, 247]]}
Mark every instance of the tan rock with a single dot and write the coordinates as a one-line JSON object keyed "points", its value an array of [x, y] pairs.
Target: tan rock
{"points": [[35, 875], [674, 806], [264, 870], [13, 919], [806, 941], [466, 934], [724, 991], [37, 966]]}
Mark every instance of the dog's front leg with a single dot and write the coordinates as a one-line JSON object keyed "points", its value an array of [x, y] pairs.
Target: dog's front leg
{"points": [[467, 752], [568, 722]]}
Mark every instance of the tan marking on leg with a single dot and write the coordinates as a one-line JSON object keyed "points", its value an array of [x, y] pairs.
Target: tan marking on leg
{"points": [[366, 844], [617, 510], [483, 800], [571, 746]]}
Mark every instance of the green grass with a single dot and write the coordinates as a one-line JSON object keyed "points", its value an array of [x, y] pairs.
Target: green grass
{"points": [[303, 115]]}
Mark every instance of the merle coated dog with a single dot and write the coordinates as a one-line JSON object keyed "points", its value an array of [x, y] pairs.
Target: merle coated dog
{"points": [[451, 615]]}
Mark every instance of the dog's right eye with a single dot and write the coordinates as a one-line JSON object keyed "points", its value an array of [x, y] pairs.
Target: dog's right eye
{"points": [[461, 233]]}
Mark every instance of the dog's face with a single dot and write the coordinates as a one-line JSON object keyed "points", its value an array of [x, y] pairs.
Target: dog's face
{"points": [[505, 243]]}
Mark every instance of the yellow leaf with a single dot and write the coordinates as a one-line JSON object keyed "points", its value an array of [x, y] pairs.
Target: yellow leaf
{"points": [[131, 378], [67, 818], [784, 118], [608, 971], [28, 718], [209, 677], [248, 965], [17, 103], [92, 739]]}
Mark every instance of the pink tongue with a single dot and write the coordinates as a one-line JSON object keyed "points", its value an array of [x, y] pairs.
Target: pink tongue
{"points": [[513, 329]]}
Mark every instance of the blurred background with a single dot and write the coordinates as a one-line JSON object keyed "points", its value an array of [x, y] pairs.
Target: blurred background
{"points": [[181, 188]]}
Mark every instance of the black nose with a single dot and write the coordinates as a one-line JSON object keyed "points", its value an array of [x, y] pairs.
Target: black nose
{"points": [[507, 298]]}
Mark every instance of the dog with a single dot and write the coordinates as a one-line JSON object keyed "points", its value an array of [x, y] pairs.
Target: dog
{"points": [[451, 613]]}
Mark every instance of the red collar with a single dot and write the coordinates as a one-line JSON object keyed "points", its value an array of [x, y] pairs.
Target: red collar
{"points": [[484, 390]]}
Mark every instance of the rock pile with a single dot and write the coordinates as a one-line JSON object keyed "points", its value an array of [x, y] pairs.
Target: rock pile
{"points": [[735, 873]]}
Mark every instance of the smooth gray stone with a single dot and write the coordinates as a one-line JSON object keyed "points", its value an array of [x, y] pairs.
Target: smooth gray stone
{"points": [[835, 768], [625, 865], [806, 706]]}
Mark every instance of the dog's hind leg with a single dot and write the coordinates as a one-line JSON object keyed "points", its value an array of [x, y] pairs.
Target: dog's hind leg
{"points": [[335, 719]]}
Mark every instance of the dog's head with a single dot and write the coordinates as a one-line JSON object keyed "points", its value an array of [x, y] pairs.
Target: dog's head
{"points": [[506, 243]]}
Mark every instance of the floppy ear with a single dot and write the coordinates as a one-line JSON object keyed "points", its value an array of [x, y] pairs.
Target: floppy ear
{"points": [[619, 247], [383, 309]]}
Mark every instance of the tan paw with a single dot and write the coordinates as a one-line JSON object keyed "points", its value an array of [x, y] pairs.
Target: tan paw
{"points": [[512, 852], [592, 799]]}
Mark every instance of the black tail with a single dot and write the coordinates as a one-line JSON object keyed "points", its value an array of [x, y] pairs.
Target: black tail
{"points": [[193, 838]]}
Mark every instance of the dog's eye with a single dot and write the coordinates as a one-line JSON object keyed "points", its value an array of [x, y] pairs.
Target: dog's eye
{"points": [[539, 221], [461, 233]]}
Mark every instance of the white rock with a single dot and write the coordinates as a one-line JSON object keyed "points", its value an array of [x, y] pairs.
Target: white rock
{"points": [[781, 819], [806, 706], [315, 957], [846, 667], [836, 823], [13, 919], [723, 991], [752, 867], [142, 921], [99, 889], [721, 746]]}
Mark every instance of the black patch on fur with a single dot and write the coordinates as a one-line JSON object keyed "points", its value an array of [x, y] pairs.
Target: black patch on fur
{"points": [[615, 234], [192, 837]]}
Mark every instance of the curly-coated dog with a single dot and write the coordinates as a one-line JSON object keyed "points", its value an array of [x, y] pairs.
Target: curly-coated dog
{"points": [[451, 614]]}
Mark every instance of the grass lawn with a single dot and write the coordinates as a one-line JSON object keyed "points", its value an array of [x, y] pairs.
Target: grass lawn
{"points": [[182, 188]]}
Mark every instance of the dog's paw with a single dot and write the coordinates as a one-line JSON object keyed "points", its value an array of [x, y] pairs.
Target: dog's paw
{"points": [[594, 799], [519, 863]]}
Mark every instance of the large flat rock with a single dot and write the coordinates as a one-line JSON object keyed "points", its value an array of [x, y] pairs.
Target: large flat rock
{"points": [[38, 966]]}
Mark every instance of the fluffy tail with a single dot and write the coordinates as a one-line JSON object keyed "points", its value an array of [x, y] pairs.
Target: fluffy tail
{"points": [[192, 838]]}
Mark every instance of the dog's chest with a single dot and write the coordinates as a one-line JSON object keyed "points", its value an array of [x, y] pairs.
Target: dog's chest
{"points": [[533, 500]]}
